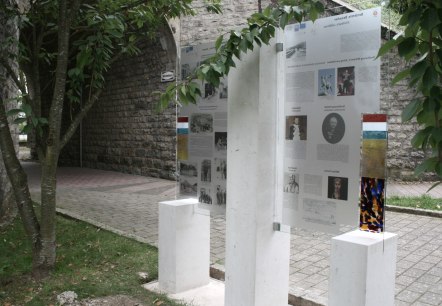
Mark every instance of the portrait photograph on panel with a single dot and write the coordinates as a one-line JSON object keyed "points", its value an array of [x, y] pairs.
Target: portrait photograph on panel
{"points": [[206, 170], [296, 128], [326, 82], [210, 92], [333, 128], [337, 188], [221, 141], [346, 81], [220, 194], [223, 89], [220, 169], [291, 183]]}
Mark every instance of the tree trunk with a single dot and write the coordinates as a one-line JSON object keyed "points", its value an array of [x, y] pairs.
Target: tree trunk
{"points": [[44, 261], [8, 208], [19, 184]]}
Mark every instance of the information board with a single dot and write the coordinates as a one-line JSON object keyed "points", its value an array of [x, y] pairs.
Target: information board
{"points": [[202, 137], [332, 77]]}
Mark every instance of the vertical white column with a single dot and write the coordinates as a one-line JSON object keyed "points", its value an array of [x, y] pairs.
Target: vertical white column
{"points": [[184, 246], [362, 269], [257, 257]]}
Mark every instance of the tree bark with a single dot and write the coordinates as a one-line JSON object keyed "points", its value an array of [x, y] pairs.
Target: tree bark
{"points": [[8, 208], [46, 257], [19, 184]]}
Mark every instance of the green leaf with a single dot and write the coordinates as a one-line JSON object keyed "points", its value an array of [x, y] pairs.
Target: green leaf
{"points": [[205, 69], [429, 19], [404, 19], [218, 42], [421, 137], [26, 129], [243, 45], [283, 20], [436, 134], [313, 13], [43, 121], [430, 78], [410, 110], [13, 112], [27, 109], [418, 70], [19, 120], [400, 76], [407, 46], [438, 169], [414, 16], [426, 166], [388, 46], [34, 120]]}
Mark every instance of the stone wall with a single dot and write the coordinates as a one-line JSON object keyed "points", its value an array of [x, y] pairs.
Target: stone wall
{"points": [[123, 132]]}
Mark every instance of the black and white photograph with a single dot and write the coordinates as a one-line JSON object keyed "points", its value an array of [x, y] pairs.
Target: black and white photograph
{"points": [[326, 82], [337, 188], [297, 51], [220, 195], [296, 128], [223, 89], [205, 196], [188, 186], [206, 170], [220, 169], [210, 92], [333, 128], [188, 169], [201, 123], [291, 183], [221, 141], [346, 81]]}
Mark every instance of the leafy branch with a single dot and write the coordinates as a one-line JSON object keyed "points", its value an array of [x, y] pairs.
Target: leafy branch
{"points": [[420, 44], [260, 29]]}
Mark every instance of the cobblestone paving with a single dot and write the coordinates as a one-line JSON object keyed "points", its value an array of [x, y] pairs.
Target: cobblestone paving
{"points": [[127, 204]]}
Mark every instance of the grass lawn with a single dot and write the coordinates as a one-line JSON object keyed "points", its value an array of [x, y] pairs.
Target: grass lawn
{"points": [[90, 261], [422, 202]]}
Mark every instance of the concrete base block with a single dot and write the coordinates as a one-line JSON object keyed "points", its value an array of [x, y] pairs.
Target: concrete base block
{"points": [[184, 246], [211, 294], [362, 269]]}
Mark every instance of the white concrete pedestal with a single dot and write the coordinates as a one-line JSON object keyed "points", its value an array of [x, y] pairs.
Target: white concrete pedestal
{"points": [[184, 246], [362, 269]]}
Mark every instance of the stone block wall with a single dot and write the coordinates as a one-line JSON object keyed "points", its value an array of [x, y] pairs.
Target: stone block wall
{"points": [[123, 131]]}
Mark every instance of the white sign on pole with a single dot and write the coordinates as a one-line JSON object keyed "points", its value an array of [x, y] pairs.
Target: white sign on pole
{"points": [[202, 137], [332, 76]]}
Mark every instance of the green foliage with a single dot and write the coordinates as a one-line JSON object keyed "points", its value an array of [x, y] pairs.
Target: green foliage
{"points": [[421, 45], [422, 202], [261, 27], [26, 119], [91, 262]]}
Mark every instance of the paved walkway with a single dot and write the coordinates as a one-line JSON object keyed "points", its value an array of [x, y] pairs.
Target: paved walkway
{"points": [[127, 204]]}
